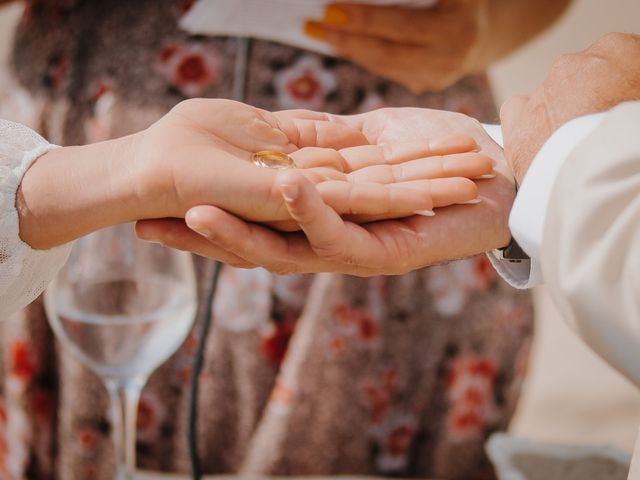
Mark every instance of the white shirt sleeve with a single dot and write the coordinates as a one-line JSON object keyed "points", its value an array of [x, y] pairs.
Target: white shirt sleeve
{"points": [[24, 272], [527, 218]]}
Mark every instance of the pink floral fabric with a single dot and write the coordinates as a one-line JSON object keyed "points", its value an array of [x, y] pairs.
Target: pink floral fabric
{"points": [[324, 374]]}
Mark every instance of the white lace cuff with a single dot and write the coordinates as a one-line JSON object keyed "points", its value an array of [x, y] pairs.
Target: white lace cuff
{"points": [[24, 272]]}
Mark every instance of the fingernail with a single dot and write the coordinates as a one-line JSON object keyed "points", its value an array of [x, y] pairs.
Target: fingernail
{"points": [[315, 30], [425, 213], [200, 230], [458, 142], [143, 234], [475, 201], [334, 15], [290, 192], [488, 176]]}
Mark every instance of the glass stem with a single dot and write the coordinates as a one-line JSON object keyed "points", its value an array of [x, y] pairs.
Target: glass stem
{"points": [[124, 396]]}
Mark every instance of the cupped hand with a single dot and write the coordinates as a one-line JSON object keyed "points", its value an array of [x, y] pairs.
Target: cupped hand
{"points": [[591, 81], [332, 244], [200, 154], [421, 48]]}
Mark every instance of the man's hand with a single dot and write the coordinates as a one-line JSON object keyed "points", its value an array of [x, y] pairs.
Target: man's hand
{"points": [[332, 244], [595, 80]]}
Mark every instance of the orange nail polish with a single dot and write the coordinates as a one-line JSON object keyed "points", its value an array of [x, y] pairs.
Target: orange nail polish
{"points": [[336, 16], [315, 30]]}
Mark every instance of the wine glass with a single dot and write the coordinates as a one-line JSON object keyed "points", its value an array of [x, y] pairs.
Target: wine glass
{"points": [[122, 307]]}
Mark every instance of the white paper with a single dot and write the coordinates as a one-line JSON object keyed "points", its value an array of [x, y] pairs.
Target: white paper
{"points": [[276, 20]]}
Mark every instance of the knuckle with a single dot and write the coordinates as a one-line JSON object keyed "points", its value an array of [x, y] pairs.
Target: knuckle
{"points": [[236, 263], [611, 39], [185, 105], [562, 63], [238, 247], [387, 151], [333, 252], [282, 268]]}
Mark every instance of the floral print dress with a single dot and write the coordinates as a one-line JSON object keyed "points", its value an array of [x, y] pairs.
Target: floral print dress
{"points": [[304, 374]]}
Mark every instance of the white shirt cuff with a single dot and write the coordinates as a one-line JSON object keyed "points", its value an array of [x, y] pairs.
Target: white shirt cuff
{"points": [[514, 272], [528, 214], [495, 132]]}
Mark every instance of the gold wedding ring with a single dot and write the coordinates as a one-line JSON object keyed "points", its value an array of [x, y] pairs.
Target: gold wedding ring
{"points": [[272, 159]]}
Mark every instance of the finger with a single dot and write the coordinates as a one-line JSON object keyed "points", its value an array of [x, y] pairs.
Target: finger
{"points": [[452, 191], [397, 24], [387, 247], [330, 237], [174, 233], [356, 158], [315, 157], [393, 247], [398, 152], [470, 165], [393, 60], [257, 245], [311, 129], [398, 199]]}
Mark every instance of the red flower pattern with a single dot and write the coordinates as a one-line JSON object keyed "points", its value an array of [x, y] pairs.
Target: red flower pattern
{"points": [[378, 394], [275, 341], [42, 405], [483, 272], [87, 438], [145, 416], [304, 88], [191, 68], [451, 285], [394, 438], [151, 416], [22, 363], [353, 325], [470, 389], [184, 6], [399, 440], [3, 416], [305, 84]]}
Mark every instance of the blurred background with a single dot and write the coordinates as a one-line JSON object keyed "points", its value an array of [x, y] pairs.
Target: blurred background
{"points": [[571, 395]]}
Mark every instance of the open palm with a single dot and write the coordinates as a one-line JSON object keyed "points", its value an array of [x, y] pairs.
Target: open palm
{"points": [[331, 243]]}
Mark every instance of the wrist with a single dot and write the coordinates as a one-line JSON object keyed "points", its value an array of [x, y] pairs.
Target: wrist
{"points": [[72, 191]]}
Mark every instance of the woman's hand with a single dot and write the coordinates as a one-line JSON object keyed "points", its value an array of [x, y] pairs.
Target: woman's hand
{"points": [[199, 153], [421, 48], [332, 244]]}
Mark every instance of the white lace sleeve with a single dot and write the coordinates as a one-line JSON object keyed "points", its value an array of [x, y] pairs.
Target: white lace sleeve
{"points": [[24, 272]]}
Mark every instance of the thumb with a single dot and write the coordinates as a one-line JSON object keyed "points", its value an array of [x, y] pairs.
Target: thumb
{"points": [[323, 227]]}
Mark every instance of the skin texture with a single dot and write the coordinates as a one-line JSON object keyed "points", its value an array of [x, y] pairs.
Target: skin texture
{"points": [[590, 81], [332, 244], [199, 153], [432, 48]]}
